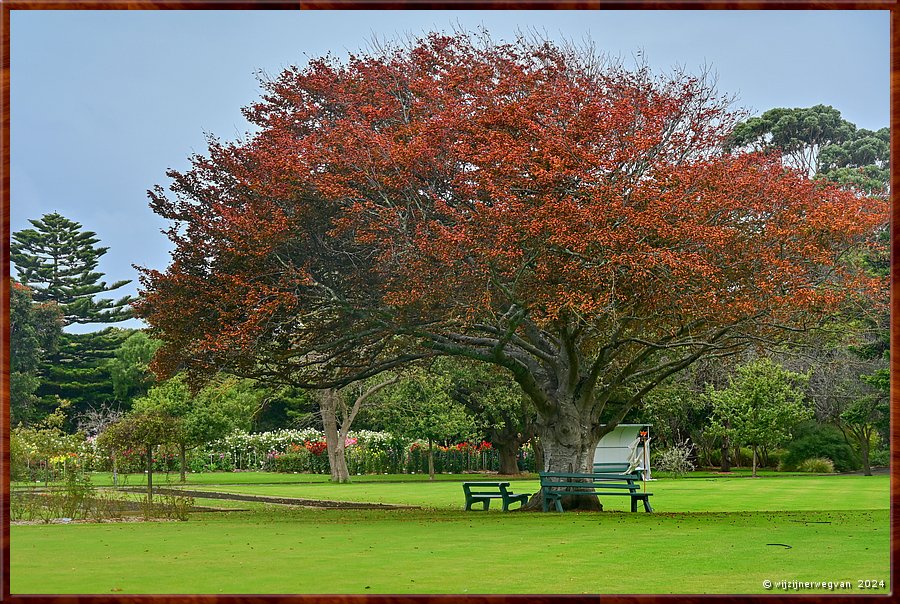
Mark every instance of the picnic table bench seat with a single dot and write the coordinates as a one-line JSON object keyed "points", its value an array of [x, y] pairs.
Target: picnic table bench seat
{"points": [[556, 485], [482, 492]]}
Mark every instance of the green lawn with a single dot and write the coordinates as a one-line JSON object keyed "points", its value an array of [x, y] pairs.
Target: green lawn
{"points": [[672, 495], [702, 539]]}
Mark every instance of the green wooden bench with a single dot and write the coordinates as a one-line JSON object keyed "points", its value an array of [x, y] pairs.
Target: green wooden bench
{"points": [[556, 485], [483, 492]]}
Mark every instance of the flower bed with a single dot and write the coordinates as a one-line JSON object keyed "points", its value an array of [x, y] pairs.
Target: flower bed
{"points": [[304, 451]]}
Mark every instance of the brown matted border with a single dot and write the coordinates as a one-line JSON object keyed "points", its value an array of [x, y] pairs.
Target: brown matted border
{"points": [[8, 5]]}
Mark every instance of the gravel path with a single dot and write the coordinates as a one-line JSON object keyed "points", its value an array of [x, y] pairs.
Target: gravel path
{"points": [[318, 503]]}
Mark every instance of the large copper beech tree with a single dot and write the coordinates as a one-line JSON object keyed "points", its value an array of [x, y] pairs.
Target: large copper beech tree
{"points": [[528, 205]]}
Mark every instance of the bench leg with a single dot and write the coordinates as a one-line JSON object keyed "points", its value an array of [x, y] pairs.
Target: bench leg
{"points": [[518, 499], [645, 499]]}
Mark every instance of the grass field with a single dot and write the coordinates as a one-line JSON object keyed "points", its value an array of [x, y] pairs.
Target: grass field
{"points": [[722, 535], [681, 495], [245, 477]]}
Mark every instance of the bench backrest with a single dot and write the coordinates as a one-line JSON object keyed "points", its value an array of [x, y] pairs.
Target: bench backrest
{"points": [[470, 488], [568, 480]]}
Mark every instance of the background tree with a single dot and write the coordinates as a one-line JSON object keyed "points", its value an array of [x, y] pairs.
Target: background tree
{"points": [[79, 371], [801, 134], [861, 163], [34, 333], [143, 431], [130, 367], [760, 406], [677, 414], [419, 406], [848, 394], [337, 419], [527, 205], [678, 409], [858, 160], [223, 406], [57, 259], [498, 405], [94, 420]]}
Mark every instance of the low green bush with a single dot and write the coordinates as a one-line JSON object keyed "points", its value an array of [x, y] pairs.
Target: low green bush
{"points": [[201, 461], [295, 461], [817, 465], [745, 459], [774, 458], [880, 459], [812, 440]]}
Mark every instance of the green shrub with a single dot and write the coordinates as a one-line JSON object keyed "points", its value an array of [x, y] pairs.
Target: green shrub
{"points": [[745, 459], [880, 459], [295, 461], [817, 465], [713, 458], [202, 461], [811, 440], [25, 504], [18, 466], [775, 457], [741, 458], [361, 460]]}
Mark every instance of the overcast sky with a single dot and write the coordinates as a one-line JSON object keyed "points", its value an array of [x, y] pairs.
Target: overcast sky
{"points": [[103, 103]]}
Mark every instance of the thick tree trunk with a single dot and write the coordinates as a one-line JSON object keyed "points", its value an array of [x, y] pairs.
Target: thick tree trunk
{"points": [[183, 459], [726, 458], [115, 469], [509, 457], [568, 443], [754, 462], [334, 442], [337, 429], [864, 455], [337, 460], [508, 436]]}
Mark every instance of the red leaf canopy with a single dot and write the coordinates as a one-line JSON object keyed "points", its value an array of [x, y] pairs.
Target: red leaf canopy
{"points": [[517, 203]]}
